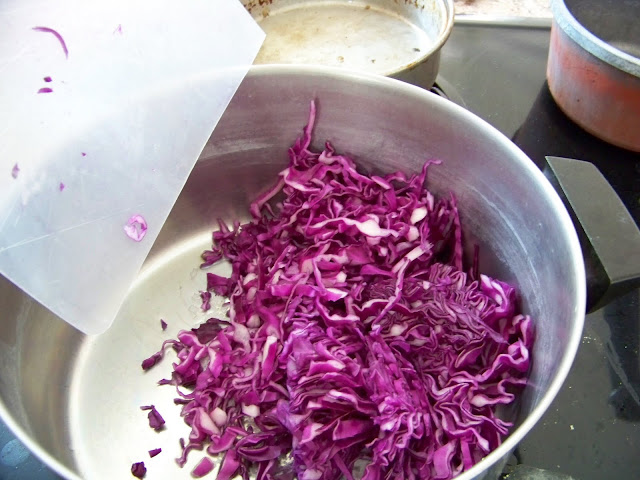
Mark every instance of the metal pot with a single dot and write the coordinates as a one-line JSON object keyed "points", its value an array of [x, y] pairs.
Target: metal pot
{"points": [[74, 399], [594, 67], [397, 38]]}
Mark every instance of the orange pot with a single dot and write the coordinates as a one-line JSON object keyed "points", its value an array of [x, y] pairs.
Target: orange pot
{"points": [[594, 70]]}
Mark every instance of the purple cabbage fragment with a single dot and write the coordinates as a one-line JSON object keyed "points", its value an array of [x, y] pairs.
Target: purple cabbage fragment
{"points": [[203, 468], [138, 470], [217, 284], [15, 171], [163, 324], [147, 363], [155, 419], [354, 333], [154, 452], [136, 228], [206, 301]]}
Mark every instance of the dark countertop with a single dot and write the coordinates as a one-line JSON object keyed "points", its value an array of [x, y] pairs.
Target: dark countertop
{"points": [[592, 429]]}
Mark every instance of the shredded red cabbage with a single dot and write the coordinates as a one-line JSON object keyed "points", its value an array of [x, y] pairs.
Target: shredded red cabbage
{"points": [[155, 419], [138, 470], [210, 257], [203, 468], [353, 334], [47, 79], [154, 452], [136, 228], [163, 324], [147, 363], [61, 187], [15, 171], [206, 300], [58, 37]]}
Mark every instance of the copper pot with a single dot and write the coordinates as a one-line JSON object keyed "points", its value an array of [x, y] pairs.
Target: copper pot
{"points": [[594, 67]]}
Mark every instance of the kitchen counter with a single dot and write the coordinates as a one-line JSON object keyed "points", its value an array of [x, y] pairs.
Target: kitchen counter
{"points": [[510, 8]]}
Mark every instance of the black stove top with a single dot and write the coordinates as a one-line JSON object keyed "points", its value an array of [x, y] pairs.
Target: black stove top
{"points": [[593, 429], [496, 69]]}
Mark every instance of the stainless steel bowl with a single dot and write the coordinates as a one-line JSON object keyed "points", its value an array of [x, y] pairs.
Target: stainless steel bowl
{"points": [[74, 399]]}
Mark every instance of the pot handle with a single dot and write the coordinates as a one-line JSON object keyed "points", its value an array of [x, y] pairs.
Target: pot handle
{"points": [[609, 236]]}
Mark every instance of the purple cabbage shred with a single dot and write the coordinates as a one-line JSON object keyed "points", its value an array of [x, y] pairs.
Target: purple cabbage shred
{"points": [[163, 324], [147, 363], [354, 334], [58, 37]]}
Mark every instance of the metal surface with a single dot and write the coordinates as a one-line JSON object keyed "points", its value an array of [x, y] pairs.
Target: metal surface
{"points": [[80, 403], [497, 67], [524, 472], [401, 39], [607, 29], [594, 69]]}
